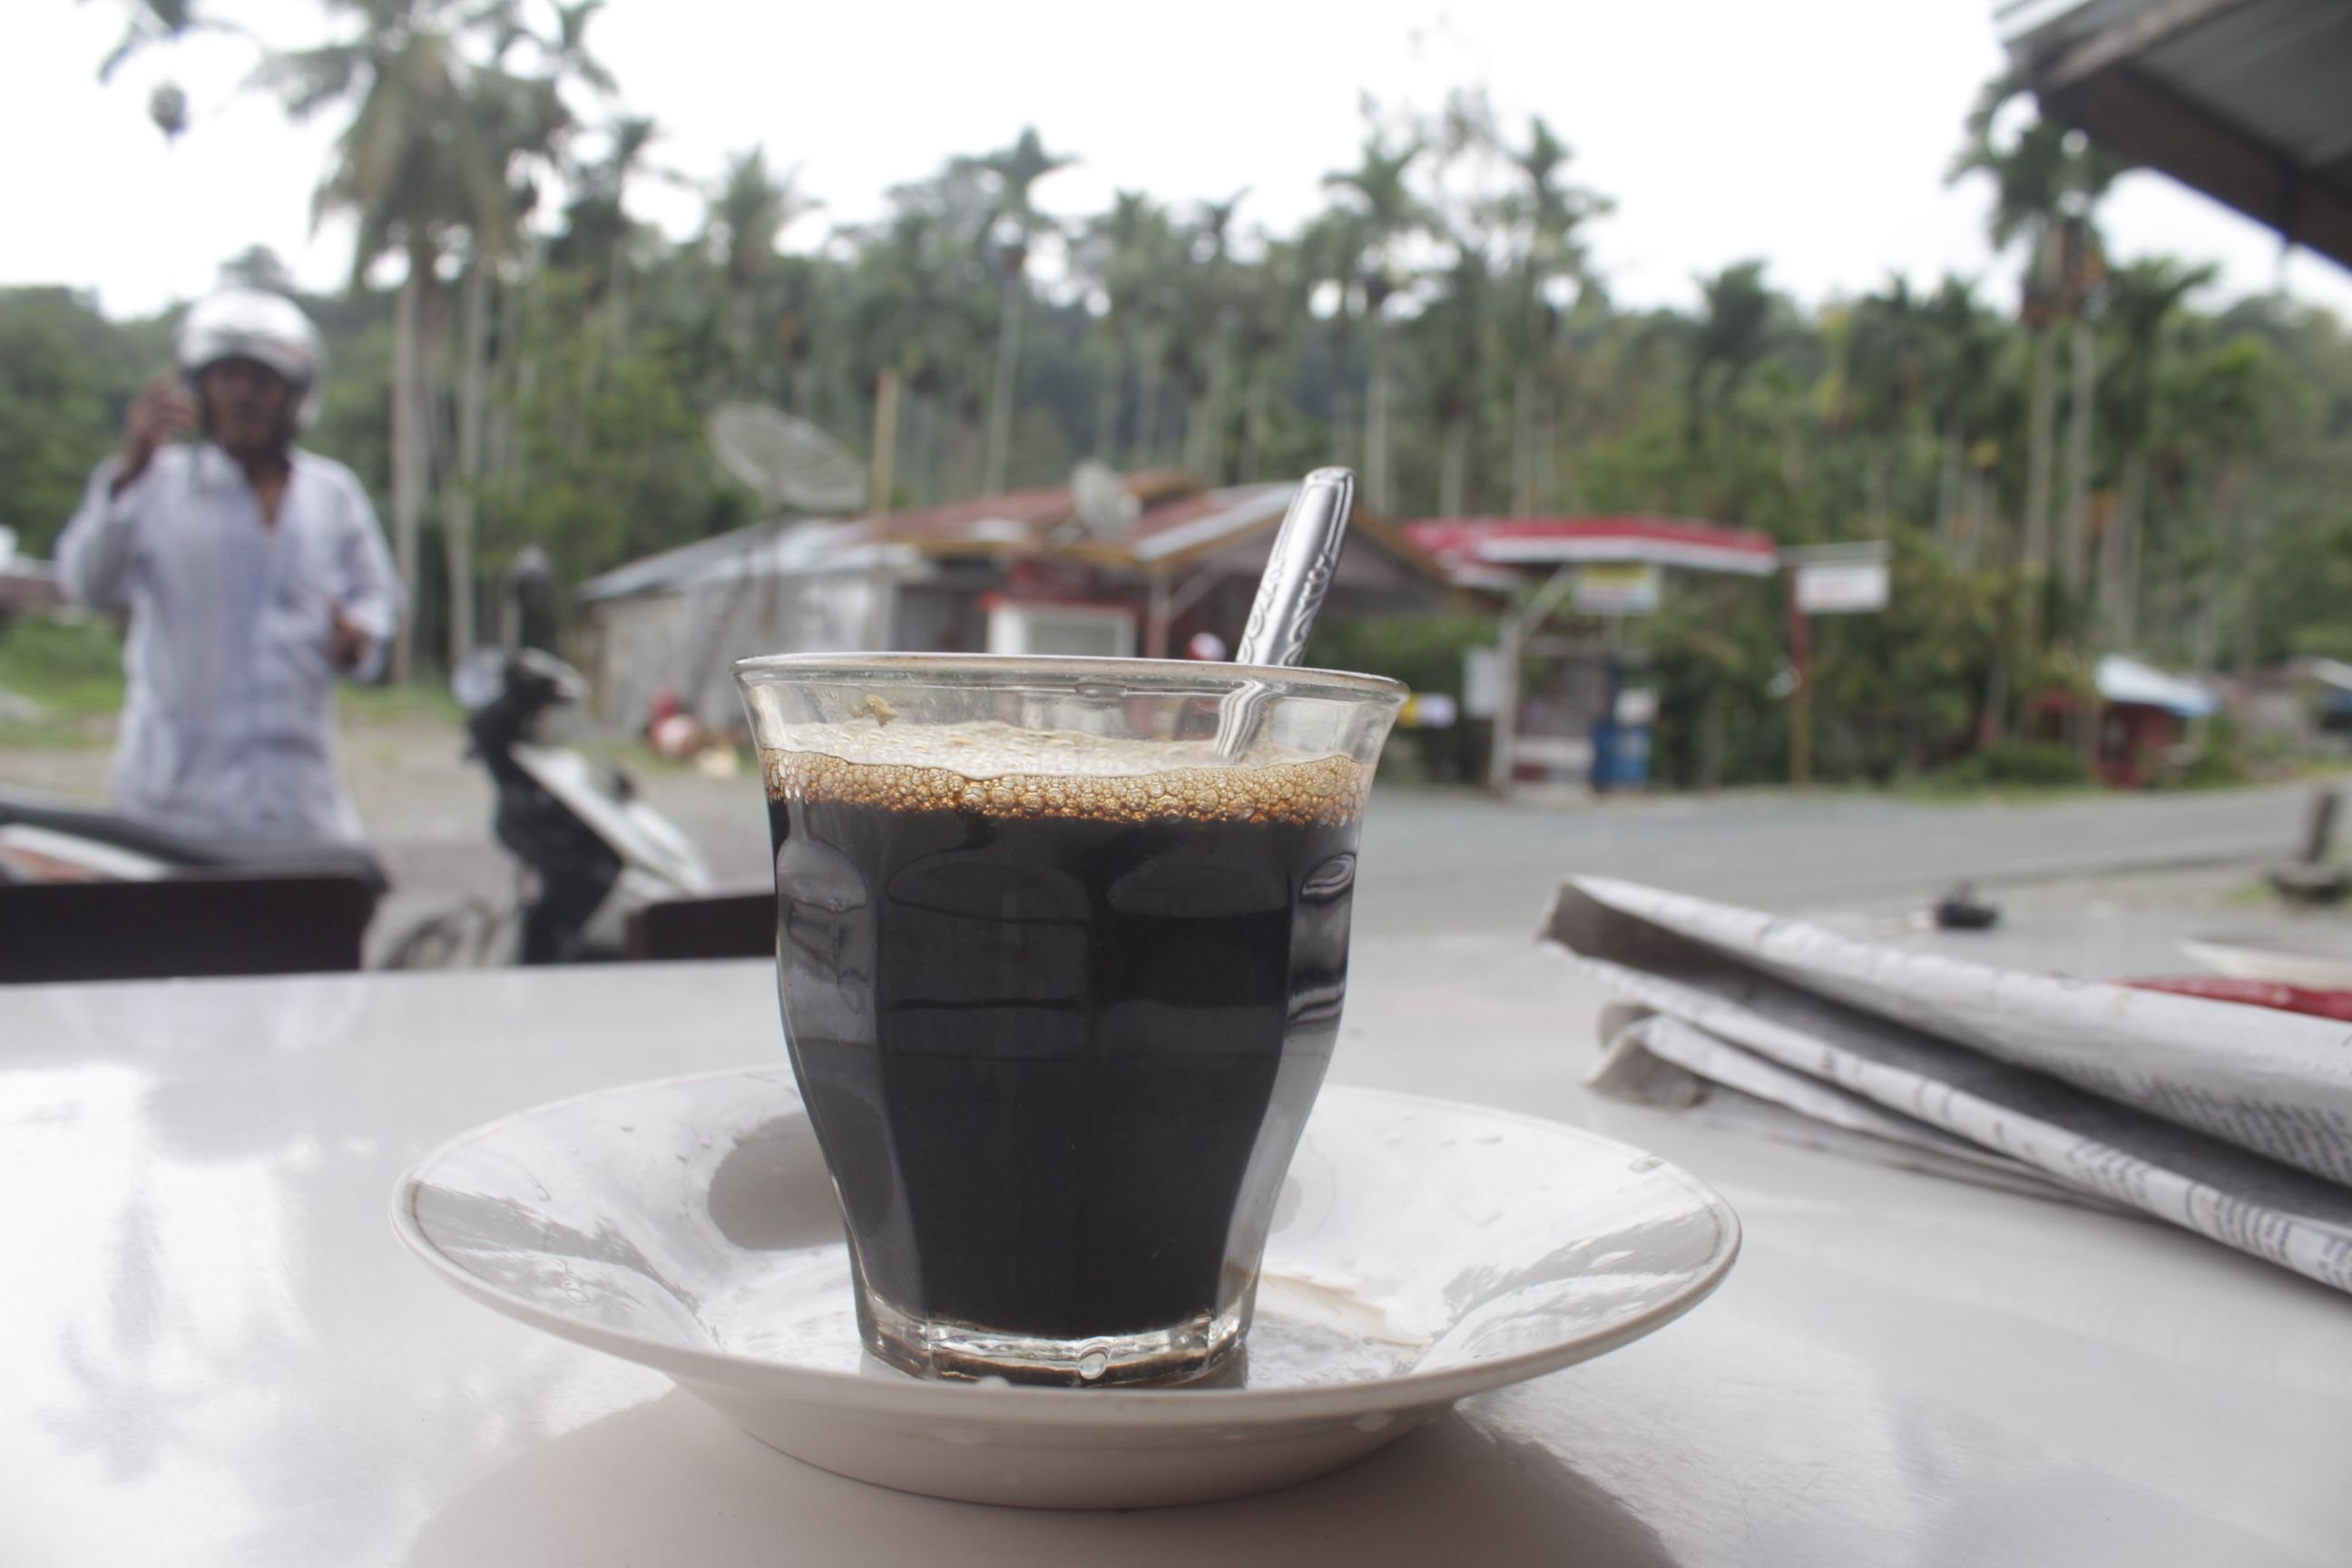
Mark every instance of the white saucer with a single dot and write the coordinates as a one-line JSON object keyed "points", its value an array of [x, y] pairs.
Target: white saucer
{"points": [[1421, 1251]]}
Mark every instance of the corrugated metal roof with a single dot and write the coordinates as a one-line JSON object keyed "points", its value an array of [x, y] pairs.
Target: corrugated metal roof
{"points": [[2247, 100], [1466, 543], [669, 567], [1180, 521], [2121, 680], [2282, 69]]}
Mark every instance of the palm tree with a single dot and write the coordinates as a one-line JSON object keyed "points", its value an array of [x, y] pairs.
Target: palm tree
{"points": [[2043, 176], [1963, 346], [1272, 307], [597, 229], [1734, 331], [439, 154], [2143, 303], [1883, 386], [2082, 295], [917, 300], [750, 209], [1545, 216], [1209, 302], [419, 169], [1454, 328], [1329, 251], [1131, 249], [1095, 257], [1014, 224], [2224, 403], [1386, 211]]}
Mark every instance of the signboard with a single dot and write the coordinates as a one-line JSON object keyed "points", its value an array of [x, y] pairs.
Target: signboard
{"points": [[1841, 587], [1636, 705], [1628, 588], [1482, 682]]}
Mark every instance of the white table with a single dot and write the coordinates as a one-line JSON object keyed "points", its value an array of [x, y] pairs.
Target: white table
{"points": [[214, 1353]]}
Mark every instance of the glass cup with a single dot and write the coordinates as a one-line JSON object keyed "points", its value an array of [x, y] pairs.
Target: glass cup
{"points": [[1060, 976]]}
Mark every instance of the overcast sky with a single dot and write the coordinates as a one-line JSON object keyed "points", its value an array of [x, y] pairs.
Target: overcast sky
{"points": [[1814, 133]]}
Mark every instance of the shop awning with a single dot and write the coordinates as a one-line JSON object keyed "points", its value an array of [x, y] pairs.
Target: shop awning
{"points": [[2128, 681]]}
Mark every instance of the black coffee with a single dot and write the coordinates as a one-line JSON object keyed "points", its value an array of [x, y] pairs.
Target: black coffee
{"points": [[1058, 1035]]}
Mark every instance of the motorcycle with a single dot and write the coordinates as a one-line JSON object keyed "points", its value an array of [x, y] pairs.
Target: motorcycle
{"points": [[42, 842], [87, 895], [590, 852]]}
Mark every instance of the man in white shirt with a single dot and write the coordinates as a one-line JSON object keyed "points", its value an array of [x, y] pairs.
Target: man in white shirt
{"points": [[254, 572]]}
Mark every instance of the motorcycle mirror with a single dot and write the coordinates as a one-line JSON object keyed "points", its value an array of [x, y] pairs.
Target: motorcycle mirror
{"points": [[478, 679]]}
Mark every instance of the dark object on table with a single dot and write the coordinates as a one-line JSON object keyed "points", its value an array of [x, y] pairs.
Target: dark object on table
{"points": [[1962, 910], [208, 923], [2308, 878], [729, 925]]}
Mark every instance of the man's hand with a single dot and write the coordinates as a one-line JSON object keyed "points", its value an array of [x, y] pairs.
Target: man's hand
{"points": [[161, 410], [348, 644]]}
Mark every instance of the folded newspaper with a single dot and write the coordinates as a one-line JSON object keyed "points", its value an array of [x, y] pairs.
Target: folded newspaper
{"points": [[2234, 1121]]}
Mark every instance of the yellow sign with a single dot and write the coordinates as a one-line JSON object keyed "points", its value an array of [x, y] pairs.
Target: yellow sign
{"points": [[1616, 588]]}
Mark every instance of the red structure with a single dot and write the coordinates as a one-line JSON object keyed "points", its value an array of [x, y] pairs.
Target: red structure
{"points": [[1587, 725], [1486, 547]]}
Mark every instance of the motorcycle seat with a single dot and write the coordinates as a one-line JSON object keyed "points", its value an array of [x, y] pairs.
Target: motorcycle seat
{"points": [[273, 856]]}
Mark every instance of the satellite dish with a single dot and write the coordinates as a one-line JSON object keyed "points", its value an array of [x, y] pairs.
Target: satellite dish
{"points": [[789, 461], [1101, 500]]}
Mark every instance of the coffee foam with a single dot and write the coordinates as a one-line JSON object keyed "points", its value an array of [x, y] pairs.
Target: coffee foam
{"points": [[998, 771]]}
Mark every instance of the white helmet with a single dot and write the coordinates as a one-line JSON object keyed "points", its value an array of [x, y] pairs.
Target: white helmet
{"points": [[267, 328]]}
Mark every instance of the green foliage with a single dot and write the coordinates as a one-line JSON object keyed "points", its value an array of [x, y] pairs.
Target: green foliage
{"points": [[66, 376], [2020, 764], [612, 461], [1423, 651], [2217, 758], [72, 669]]}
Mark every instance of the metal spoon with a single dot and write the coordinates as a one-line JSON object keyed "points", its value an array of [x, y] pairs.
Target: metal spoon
{"points": [[1298, 572]]}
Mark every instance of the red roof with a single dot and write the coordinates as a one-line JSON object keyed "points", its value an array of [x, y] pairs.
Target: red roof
{"points": [[1463, 542]]}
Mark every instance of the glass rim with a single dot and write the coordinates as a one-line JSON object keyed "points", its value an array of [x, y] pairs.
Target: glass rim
{"points": [[1006, 668]]}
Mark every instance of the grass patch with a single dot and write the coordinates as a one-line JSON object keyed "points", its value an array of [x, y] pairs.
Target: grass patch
{"points": [[71, 671], [395, 704]]}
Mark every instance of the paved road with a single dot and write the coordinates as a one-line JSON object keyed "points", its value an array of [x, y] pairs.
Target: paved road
{"points": [[1433, 861]]}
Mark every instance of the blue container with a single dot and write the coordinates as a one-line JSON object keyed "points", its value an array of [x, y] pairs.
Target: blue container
{"points": [[1621, 756]]}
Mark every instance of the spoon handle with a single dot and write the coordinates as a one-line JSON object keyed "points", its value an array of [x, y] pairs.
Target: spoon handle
{"points": [[1298, 569]]}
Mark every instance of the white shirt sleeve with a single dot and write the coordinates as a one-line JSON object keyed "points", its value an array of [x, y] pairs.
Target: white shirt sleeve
{"points": [[370, 582], [97, 547]]}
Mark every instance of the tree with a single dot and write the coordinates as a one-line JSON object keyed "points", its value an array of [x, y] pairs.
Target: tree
{"points": [[1544, 215], [1129, 255], [1385, 211], [616, 462], [751, 207], [1733, 332], [64, 374], [1963, 343], [1883, 387], [2045, 180], [1014, 224], [2225, 400], [1453, 332], [2143, 301], [424, 164], [1206, 291]]}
